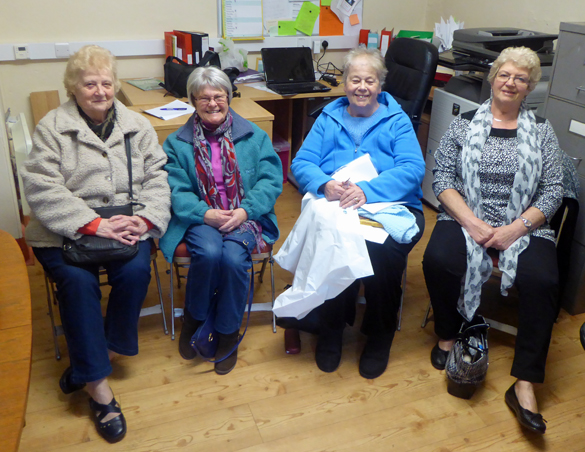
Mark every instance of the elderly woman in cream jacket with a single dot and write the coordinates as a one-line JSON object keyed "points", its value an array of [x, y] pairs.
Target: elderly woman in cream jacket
{"points": [[79, 163]]}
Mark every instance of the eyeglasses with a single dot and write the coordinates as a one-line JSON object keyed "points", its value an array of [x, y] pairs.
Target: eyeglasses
{"points": [[503, 78], [207, 100]]}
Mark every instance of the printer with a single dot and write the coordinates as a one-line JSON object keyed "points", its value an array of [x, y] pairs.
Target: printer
{"points": [[475, 49], [487, 43]]}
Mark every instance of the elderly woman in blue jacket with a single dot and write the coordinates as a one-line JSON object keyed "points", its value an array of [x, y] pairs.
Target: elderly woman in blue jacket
{"points": [[367, 121], [225, 178]]}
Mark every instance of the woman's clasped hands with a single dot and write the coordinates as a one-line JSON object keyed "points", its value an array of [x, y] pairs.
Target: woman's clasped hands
{"points": [[225, 220], [347, 193], [124, 229], [500, 238]]}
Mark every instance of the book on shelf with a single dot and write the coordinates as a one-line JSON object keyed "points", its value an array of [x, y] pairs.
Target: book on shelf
{"points": [[199, 44]]}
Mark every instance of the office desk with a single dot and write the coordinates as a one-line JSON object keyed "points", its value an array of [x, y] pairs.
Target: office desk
{"points": [[15, 342], [244, 107]]}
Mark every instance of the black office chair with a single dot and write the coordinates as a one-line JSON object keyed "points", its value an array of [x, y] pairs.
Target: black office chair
{"points": [[411, 65]]}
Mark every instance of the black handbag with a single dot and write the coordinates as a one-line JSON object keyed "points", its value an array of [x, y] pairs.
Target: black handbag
{"points": [[468, 361], [177, 72], [91, 249]]}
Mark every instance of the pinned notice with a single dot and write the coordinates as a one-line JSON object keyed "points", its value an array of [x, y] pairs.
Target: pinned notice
{"points": [[306, 18], [286, 28]]}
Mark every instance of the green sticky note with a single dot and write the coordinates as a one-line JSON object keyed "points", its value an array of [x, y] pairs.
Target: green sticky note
{"points": [[307, 17], [286, 28], [325, 2]]}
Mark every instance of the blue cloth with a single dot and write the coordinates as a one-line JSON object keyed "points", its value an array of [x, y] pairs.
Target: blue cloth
{"points": [[397, 220], [391, 143], [261, 172], [88, 337], [219, 268]]}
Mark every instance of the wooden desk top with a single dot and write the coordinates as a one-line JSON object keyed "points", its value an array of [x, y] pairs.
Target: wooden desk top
{"points": [[15, 342], [246, 108], [132, 96]]}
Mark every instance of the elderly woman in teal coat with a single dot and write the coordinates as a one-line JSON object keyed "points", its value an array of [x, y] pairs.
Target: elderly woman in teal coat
{"points": [[225, 178]]}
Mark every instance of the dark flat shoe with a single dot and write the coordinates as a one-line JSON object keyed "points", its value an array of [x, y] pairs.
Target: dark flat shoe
{"points": [[226, 343], [438, 357], [528, 419], [582, 335], [114, 429], [188, 329], [65, 382]]}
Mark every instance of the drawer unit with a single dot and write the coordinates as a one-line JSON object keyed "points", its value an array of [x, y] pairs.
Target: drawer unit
{"points": [[569, 77], [568, 121]]}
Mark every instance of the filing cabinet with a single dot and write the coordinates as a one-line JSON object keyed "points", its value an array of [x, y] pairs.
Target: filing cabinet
{"points": [[446, 106], [565, 109]]}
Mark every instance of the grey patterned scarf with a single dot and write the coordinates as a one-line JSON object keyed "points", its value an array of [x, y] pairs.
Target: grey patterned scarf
{"points": [[479, 264]]}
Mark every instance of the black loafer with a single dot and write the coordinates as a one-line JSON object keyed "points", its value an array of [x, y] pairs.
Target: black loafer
{"points": [[526, 418], [114, 429], [582, 335], [65, 382], [438, 357]]}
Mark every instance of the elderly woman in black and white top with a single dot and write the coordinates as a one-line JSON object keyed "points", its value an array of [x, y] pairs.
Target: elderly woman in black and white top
{"points": [[499, 182]]}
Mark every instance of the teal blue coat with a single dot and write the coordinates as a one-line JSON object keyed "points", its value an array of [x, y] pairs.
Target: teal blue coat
{"points": [[261, 172]]}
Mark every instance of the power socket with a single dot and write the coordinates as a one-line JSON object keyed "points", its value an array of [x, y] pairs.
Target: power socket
{"points": [[316, 46], [21, 51]]}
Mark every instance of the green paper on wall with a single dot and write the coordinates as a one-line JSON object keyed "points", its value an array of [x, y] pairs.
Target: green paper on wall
{"points": [[286, 28], [306, 18], [325, 2]]}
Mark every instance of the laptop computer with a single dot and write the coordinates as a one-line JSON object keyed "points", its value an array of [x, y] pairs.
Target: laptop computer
{"points": [[289, 70]]}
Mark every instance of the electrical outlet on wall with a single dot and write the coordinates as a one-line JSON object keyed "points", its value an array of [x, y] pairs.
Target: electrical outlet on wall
{"points": [[21, 51], [316, 46]]}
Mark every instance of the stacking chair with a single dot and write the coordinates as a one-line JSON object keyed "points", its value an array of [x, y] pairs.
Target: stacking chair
{"points": [[53, 298], [260, 255], [563, 223]]}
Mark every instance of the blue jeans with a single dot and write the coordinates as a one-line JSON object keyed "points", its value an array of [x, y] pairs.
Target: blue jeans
{"points": [[220, 267], [88, 336]]}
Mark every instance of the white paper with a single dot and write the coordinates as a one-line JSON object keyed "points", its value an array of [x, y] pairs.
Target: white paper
{"points": [[375, 207], [444, 32], [373, 234], [166, 111], [360, 169]]}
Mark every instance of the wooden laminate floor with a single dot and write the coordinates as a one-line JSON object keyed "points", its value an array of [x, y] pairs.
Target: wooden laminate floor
{"points": [[275, 402]]}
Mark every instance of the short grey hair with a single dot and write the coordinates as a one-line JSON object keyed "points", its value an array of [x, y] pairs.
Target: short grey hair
{"points": [[521, 57], [211, 76], [376, 61]]}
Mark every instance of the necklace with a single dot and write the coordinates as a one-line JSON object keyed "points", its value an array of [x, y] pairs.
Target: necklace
{"points": [[504, 120]]}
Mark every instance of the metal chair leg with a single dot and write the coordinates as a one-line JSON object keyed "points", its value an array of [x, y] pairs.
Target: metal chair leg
{"points": [[271, 260], [426, 317], [172, 291], [50, 296], [160, 296]]}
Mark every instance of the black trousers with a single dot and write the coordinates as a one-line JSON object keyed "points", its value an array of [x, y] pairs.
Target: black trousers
{"points": [[537, 281], [382, 290]]}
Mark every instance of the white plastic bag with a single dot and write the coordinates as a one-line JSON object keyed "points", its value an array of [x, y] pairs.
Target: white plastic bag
{"points": [[229, 56], [326, 252]]}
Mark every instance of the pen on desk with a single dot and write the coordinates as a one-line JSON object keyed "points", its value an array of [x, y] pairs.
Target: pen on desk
{"points": [[346, 183], [168, 109]]}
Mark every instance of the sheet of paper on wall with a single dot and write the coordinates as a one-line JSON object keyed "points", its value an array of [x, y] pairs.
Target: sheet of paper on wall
{"points": [[345, 8], [307, 18], [444, 32], [297, 6], [171, 111]]}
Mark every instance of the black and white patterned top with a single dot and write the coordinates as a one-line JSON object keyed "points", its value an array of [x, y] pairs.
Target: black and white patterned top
{"points": [[497, 169]]}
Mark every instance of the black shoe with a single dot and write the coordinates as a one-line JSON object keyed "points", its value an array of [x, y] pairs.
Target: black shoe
{"points": [[65, 382], [190, 325], [114, 429], [375, 356], [528, 419], [328, 350], [438, 357], [225, 344], [582, 331]]}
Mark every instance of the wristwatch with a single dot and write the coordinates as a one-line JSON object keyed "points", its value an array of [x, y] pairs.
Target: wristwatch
{"points": [[526, 222]]}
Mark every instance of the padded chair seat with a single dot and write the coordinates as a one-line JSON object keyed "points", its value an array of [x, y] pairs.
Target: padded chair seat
{"points": [[183, 252]]}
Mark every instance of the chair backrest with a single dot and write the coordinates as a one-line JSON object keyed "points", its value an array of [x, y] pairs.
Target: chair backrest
{"points": [[411, 65], [42, 102]]}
